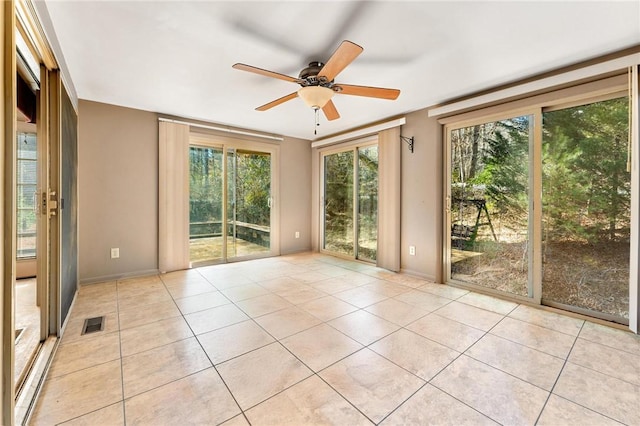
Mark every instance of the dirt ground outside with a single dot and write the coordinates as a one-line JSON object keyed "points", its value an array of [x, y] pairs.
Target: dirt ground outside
{"points": [[589, 276]]}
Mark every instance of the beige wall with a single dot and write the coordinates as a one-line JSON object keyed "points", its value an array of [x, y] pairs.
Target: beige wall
{"points": [[295, 195], [118, 191], [421, 210], [118, 185]]}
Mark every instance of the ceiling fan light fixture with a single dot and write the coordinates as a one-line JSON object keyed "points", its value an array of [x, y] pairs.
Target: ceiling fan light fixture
{"points": [[315, 97]]}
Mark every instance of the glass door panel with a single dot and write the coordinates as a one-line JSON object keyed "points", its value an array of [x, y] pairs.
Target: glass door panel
{"points": [[586, 194], [205, 203], [338, 203], [248, 203], [367, 203], [489, 205]]}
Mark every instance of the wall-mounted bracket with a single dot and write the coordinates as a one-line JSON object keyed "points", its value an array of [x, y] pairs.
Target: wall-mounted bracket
{"points": [[409, 141]]}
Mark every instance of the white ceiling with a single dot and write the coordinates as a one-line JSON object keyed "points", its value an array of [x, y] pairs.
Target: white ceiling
{"points": [[175, 57]]}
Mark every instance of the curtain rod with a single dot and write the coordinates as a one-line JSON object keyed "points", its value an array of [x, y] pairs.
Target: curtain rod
{"points": [[223, 129]]}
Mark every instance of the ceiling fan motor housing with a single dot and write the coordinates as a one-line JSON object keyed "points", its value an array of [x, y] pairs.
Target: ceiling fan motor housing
{"points": [[309, 76]]}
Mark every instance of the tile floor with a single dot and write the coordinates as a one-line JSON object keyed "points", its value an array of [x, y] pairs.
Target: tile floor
{"points": [[311, 339]]}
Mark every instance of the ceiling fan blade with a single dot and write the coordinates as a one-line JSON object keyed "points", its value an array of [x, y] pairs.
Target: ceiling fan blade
{"points": [[330, 111], [266, 73], [343, 56], [370, 92], [277, 102]]}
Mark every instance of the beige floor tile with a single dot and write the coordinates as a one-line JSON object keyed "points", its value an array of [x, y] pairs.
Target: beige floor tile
{"points": [[280, 284], [238, 420], [425, 301], [112, 415], [334, 285], [84, 391], [443, 290], [145, 314], [488, 303], [149, 336], [535, 337], [302, 295], [360, 297], [93, 307], [447, 332], [609, 336], [234, 340], [407, 280], [328, 308], [601, 393], [331, 271], [199, 399], [229, 280], [310, 402], [356, 278], [193, 288], [397, 312], [152, 297], [263, 305], [309, 277], [494, 393], [258, 375], [141, 288], [244, 292], [286, 322], [423, 357], [321, 346], [363, 327], [73, 329], [201, 302], [470, 315], [431, 406], [156, 367], [604, 359], [386, 288], [97, 289], [535, 367], [215, 318], [559, 411], [550, 320], [85, 353], [373, 384]]}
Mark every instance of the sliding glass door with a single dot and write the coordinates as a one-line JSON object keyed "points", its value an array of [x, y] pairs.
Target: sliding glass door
{"points": [[586, 202], [350, 197], [539, 206], [230, 203], [489, 200], [206, 195], [248, 203]]}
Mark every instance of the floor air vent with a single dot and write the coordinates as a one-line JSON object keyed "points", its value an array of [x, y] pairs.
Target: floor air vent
{"points": [[92, 325]]}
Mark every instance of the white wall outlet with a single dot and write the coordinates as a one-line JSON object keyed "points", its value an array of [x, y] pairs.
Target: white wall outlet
{"points": [[115, 253], [297, 234], [412, 250]]}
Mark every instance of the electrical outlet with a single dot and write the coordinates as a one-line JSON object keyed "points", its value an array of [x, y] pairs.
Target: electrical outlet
{"points": [[115, 253], [297, 234], [412, 250]]}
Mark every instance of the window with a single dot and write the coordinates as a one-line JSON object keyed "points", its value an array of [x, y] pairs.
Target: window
{"points": [[26, 192]]}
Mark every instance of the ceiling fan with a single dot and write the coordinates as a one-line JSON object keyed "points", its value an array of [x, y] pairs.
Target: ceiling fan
{"points": [[317, 81]]}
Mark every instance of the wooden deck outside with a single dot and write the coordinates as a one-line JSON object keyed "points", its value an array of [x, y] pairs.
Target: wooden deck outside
{"points": [[203, 249]]}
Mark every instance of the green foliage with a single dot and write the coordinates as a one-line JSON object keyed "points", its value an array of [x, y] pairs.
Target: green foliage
{"points": [[586, 184], [249, 186]]}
